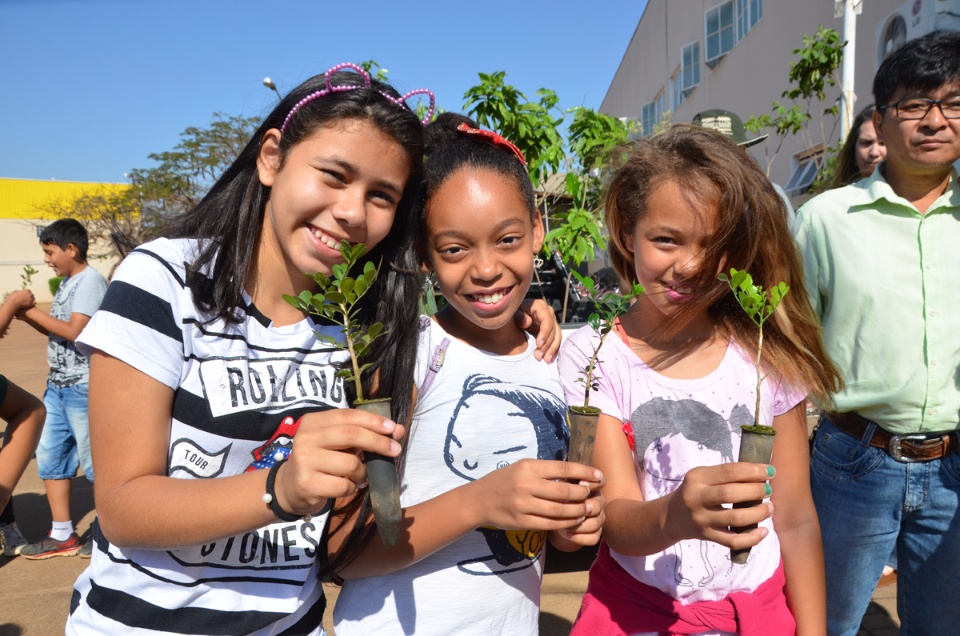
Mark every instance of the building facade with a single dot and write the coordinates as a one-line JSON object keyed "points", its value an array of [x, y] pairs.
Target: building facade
{"points": [[688, 56]]}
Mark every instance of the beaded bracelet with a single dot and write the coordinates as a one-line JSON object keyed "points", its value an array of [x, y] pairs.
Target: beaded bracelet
{"points": [[270, 497]]}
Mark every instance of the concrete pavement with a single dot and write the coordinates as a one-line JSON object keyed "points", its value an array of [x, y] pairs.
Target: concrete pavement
{"points": [[35, 595]]}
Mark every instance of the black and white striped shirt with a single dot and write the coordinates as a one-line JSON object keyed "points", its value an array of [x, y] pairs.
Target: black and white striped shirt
{"points": [[237, 388]]}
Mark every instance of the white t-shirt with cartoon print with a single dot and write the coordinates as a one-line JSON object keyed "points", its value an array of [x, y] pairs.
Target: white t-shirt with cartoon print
{"points": [[677, 425], [477, 413]]}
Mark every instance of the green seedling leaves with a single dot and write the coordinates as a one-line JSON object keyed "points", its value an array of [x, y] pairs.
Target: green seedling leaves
{"points": [[336, 300], [27, 276], [609, 306], [759, 304]]}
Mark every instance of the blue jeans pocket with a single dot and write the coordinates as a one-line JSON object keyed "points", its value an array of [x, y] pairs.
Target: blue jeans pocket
{"points": [[838, 455], [951, 465]]}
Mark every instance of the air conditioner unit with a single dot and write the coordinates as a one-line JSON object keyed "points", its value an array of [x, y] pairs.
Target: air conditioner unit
{"points": [[913, 19]]}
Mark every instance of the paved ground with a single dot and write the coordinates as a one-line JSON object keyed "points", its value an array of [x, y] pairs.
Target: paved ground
{"points": [[35, 595]]}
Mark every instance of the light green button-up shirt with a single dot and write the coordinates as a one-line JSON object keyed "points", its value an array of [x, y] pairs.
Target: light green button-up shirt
{"points": [[885, 282]]}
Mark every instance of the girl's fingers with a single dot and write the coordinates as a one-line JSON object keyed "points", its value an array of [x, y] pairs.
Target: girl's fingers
{"points": [[717, 496]]}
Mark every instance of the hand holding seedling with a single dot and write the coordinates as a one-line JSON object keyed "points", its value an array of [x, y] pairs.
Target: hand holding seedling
{"points": [[756, 442], [337, 300], [583, 419]]}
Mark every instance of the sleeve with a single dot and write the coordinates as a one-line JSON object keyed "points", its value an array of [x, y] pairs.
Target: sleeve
{"points": [[139, 319], [91, 289], [572, 360], [787, 396]]}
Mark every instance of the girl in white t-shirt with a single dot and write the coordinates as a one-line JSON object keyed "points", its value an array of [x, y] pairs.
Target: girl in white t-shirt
{"points": [[677, 380], [484, 485]]}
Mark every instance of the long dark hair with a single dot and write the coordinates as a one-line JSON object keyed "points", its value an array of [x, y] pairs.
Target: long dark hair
{"points": [[231, 216], [751, 234], [846, 170]]}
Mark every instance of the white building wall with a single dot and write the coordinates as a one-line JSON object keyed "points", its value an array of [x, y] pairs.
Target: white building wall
{"points": [[755, 72]]}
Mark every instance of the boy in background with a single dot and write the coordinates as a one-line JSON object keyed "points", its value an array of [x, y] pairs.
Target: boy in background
{"points": [[65, 440]]}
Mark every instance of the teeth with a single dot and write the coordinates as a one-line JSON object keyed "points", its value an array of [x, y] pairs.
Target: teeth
{"points": [[490, 299], [329, 241]]}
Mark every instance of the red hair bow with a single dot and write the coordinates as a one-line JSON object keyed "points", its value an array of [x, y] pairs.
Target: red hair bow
{"points": [[495, 139]]}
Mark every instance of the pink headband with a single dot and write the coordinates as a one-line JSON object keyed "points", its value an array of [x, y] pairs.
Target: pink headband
{"points": [[399, 101], [495, 139]]}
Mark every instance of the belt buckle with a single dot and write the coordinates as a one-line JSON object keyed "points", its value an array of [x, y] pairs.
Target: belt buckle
{"points": [[894, 446]]}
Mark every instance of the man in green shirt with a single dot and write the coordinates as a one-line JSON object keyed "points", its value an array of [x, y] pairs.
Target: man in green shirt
{"points": [[882, 261]]}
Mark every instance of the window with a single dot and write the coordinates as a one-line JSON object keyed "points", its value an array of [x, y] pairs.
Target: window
{"points": [[804, 173], [690, 67], [720, 31], [652, 112], [749, 13], [676, 90]]}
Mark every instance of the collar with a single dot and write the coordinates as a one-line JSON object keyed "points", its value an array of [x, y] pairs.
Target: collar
{"points": [[875, 187]]}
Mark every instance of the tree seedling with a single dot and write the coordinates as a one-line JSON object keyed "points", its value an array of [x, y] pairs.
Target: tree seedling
{"points": [[337, 300], [583, 419], [608, 307], [27, 276], [756, 442]]}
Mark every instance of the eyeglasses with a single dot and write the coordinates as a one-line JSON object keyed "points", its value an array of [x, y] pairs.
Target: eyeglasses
{"points": [[917, 107]]}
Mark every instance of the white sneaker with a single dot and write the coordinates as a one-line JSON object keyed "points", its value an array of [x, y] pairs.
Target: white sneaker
{"points": [[11, 539]]}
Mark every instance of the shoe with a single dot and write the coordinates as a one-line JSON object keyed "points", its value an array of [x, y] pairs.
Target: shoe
{"points": [[887, 578], [11, 540], [86, 550], [49, 548]]}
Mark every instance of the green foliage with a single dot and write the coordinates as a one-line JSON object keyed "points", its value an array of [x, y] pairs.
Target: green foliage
{"points": [[608, 307], [54, 284], [814, 72], [376, 71], [759, 304], [499, 106], [27, 276], [337, 301]]}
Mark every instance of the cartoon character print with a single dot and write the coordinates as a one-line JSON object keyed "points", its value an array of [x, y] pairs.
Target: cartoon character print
{"points": [[278, 447], [536, 419], [670, 437]]}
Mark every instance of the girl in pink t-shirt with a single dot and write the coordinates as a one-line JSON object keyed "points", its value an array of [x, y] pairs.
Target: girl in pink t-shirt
{"points": [[674, 388]]}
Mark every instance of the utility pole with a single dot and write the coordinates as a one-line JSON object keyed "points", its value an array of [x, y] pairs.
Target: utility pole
{"points": [[848, 10]]}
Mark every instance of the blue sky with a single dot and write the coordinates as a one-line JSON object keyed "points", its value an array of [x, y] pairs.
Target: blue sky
{"points": [[91, 87]]}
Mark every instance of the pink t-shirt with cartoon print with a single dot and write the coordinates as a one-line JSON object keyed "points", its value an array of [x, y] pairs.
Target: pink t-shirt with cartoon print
{"points": [[677, 425]]}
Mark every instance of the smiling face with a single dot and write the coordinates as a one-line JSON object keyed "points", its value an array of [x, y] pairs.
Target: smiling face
{"points": [[668, 244], [922, 146], [62, 261], [869, 150], [343, 182], [480, 241]]}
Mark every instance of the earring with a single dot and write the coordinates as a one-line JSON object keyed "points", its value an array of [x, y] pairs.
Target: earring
{"points": [[537, 261]]}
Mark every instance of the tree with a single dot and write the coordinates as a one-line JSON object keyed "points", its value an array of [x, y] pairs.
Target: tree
{"points": [[816, 69]]}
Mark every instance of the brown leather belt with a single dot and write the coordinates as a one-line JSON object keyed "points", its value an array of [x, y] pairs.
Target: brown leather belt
{"points": [[912, 447]]}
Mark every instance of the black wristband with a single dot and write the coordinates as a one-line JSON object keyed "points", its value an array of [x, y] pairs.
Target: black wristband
{"points": [[270, 498]]}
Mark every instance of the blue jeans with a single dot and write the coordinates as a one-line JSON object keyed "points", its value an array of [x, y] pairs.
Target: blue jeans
{"points": [[870, 504], [65, 440]]}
